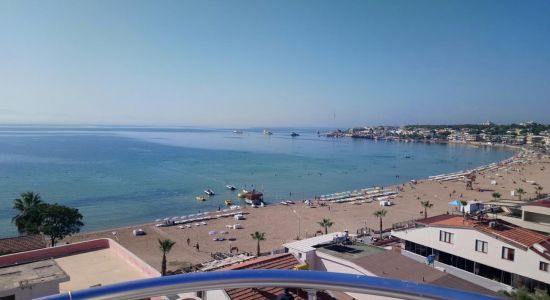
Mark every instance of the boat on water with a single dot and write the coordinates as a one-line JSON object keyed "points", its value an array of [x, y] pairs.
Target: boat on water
{"points": [[238, 131], [209, 192], [293, 134], [200, 198], [230, 187], [267, 132], [243, 193], [227, 202]]}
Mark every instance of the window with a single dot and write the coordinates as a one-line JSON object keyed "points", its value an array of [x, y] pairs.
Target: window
{"points": [[446, 237], [481, 246], [543, 266], [508, 253]]}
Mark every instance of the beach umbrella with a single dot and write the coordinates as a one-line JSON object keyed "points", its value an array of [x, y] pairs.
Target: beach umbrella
{"points": [[455, 203]]}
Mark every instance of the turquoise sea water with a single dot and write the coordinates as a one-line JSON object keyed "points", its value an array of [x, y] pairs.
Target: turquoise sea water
{"points": [[121, 176]]}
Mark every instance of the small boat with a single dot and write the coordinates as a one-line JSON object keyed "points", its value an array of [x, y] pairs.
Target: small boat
{"points": [[267, 132], [293, 134], [408, 156], [284, 203], [228, 202], [243, 193], [209, 192], [238, 131], [200, 198], [230, 187]]}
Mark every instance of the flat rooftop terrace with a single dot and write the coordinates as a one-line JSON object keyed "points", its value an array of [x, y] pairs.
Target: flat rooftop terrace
{"points": [[38, 272], [349, 251], [93, 268]]}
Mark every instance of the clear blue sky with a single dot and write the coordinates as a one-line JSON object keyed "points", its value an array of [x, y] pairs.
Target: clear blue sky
{"points": [[274, 63]]}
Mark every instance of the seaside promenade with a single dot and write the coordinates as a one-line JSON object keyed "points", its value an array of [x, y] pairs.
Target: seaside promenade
{"points": [[285, 223]]}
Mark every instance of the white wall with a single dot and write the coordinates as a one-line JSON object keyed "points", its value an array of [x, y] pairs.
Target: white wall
{"points": [[526, 263]]}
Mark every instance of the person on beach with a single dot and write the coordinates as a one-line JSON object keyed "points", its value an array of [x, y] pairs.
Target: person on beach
{"points": [[188, 241], [197, 246]]}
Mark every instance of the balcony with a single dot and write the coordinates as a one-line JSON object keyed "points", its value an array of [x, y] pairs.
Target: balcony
{"points": [[310, 281]]}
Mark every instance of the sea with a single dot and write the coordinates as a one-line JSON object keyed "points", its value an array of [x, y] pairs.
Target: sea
{"points": [[118, 176]]}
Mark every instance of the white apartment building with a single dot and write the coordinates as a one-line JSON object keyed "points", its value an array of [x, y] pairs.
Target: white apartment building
{"points": [[494, 254]]}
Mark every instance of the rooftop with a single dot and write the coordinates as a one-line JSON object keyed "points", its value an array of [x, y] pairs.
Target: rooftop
{"points": [[21, 244], [542, 203], [279, 262], [94, 268], [523, 237], [391, 264], [308, 244], [350, 251], [22, 275]]}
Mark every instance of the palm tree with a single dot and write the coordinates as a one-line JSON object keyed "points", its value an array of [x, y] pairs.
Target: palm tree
{"points": [[426, 205], [538, 189], [326, 223], [520, 192], [258, 236], [165, 246], [24, 219], [496, 196], [380, 214]]}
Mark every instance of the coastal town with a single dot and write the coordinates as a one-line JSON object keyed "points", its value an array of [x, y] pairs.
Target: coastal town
{"points": [[527, 133]]}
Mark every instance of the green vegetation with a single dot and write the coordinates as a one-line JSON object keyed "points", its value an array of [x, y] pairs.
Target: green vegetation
{"points": [[165, 246], [380, 214], [426, 205], [326, 223], [35, 216], [523, 293], [496, 196], [258, 236], [493, 129], [520, 193]]}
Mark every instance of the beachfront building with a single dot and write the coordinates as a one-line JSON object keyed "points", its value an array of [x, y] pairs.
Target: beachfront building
{"points": [[533, 215], [337, 252], [48, 271], [491, 253]]}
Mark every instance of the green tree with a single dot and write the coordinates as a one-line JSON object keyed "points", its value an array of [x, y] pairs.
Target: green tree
{"points": [[59, 221], [426, 205], [165, 246], [380, 214], [520, 193], [258, 236], [27, 218], [523, 293], [496, 196], [326, 223]]}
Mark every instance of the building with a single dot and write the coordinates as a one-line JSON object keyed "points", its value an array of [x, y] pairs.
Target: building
{"points": [[335, 252], [31, 280], [491, 253], [72, 267], [533, 215], [21, 244]]}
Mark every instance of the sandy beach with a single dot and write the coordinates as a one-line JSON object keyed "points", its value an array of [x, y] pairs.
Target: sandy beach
{"points": [[284, 223]]}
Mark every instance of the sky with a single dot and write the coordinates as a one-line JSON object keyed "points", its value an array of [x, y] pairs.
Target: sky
{"points": [[274, 63]]}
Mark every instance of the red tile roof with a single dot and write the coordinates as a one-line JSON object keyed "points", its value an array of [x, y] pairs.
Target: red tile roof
{"points": [[279, 262], [543, 203], [520, 237], [21, 244]]}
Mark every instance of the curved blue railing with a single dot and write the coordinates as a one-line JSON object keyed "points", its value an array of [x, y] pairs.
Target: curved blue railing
{"points": [[191, 282]]}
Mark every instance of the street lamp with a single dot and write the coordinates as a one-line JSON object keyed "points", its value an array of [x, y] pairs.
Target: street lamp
{"points": [[299, 221]]}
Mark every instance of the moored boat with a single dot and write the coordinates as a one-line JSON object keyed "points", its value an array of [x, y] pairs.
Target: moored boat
{"points": [[228, 202], [209, 192], [230, 187], [200, 198], [293, 134]]}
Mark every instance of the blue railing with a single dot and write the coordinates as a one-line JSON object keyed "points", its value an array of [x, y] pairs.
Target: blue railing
{"points": [[314, 280]]}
